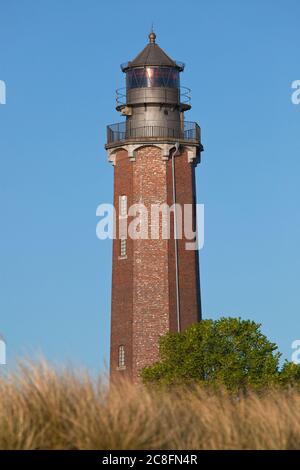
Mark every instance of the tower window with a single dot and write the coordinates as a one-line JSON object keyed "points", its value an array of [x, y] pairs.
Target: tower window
{"points": [[123, 206], [123, 247], [123, 225], [121, 357], [152, 77]]}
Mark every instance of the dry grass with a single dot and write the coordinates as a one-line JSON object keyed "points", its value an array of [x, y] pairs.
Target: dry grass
{"points": [[41, 408]]}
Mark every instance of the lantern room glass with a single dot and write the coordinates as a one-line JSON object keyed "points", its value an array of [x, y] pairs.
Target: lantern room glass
{"points": [[147, 77]]}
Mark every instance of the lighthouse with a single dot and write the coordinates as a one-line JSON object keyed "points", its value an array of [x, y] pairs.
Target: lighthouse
{"points": [[154, 152]]}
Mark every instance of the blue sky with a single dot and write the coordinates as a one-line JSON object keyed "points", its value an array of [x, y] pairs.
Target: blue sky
{"points": [[60, 62]]}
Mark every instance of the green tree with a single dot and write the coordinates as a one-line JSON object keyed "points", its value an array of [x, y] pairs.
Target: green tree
{"points": [[289, 374], [229, 352]]}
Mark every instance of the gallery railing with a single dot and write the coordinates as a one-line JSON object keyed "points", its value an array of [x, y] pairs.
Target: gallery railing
{"points": [[120, 132]]}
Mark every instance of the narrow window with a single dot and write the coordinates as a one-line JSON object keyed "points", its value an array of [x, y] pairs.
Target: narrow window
{"points": [[121, 359], [123, 247], [123, 225], [123, 206]]}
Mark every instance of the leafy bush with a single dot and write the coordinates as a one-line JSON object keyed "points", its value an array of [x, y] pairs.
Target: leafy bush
{"points": [[289, 374], [229, 352]]}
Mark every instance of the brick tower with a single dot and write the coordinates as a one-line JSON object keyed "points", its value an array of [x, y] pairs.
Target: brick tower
{"points": [[154, 151]]}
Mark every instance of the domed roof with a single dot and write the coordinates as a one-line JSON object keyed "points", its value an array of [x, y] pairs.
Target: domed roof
{"points": [[152, 55]]}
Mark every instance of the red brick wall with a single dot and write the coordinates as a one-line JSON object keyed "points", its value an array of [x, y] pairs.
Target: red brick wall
{"points": [[187, 259], [150, 263], [144, 290], [122, 275]]}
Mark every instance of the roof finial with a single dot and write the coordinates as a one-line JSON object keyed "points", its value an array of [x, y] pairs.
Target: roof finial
{"points": [[152, 35]]}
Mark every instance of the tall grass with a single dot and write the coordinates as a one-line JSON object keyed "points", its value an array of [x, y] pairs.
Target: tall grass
{"points": [[42, 408]]}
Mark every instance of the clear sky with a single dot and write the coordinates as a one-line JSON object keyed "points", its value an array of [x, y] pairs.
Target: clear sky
{"points": [[60, 62]]}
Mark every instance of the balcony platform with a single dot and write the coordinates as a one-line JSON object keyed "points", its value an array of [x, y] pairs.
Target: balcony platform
{"points": [[119, 133]]}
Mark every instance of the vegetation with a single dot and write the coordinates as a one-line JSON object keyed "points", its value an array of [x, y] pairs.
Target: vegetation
{"points": [[41, 408], [229, 352], [228, 392]]}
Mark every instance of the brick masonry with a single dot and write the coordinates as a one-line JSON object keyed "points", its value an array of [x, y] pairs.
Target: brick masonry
{"points": [[143, 284]]}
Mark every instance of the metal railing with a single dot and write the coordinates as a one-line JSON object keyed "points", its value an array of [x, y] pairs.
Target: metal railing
{"points": [[122, 131], [121, 96], [185, 95]]}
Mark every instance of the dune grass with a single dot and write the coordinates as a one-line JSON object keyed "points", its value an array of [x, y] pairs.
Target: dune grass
{"points": [[43, 408]]}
